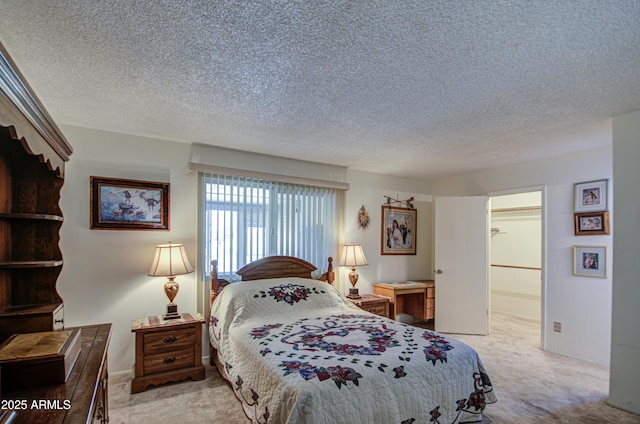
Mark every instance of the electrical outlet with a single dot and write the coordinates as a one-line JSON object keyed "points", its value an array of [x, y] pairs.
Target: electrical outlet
{"points": [[557, 327]]}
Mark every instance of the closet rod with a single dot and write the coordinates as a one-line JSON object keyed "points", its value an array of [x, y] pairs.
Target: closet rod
{"points": [[524, 208], [517, 267]]}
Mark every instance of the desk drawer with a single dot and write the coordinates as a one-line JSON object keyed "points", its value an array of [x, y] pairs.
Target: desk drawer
{"points": [[430, 313], [170, 340]]}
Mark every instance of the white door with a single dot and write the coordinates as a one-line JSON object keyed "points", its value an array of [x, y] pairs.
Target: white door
{"points": [[462, 265]]}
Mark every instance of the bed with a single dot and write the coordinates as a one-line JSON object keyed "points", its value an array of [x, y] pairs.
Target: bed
{"points": [[294, 350]]}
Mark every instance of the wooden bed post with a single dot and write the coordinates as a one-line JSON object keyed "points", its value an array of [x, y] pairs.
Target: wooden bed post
{"points": [[216, 283], [216, 286], [329, 276]]}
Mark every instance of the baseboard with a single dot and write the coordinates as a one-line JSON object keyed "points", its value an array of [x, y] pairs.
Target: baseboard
{"points": [[119, 373]]}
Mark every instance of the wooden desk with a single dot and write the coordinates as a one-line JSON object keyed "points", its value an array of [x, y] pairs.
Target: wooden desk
{"points": [[83, 398], [415, 298]]}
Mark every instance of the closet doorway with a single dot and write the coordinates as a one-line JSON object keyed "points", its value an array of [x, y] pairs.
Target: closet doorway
{"points": [[516, 258]]}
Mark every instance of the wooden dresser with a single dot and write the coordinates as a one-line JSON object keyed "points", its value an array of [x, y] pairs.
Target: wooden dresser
{"points": [[83, 398]]}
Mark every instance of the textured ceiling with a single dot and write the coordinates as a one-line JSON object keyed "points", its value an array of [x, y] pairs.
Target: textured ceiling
{"points": [[419, 89]]}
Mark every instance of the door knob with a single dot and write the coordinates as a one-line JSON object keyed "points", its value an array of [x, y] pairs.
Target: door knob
{"points": [[439, 271]]}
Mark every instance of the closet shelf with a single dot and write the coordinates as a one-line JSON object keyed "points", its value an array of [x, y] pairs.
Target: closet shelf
{"points": [[518, 209], [533, 268]]}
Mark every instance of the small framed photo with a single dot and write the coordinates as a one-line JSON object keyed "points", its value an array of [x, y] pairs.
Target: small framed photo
{"points": [[590, 261], [590, 196], [119, 204], [591, 223], [398, 231]]}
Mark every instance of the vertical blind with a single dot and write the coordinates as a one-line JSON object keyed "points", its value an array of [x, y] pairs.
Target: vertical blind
{"points": [[246, 219]]}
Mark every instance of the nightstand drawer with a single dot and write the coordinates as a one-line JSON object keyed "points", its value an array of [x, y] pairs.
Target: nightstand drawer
{"points": [[378, 305], [378, 308], [169, 340], [168, 361]]}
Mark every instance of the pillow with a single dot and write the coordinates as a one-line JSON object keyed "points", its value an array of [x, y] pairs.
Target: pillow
{"points": [[256, 299]]}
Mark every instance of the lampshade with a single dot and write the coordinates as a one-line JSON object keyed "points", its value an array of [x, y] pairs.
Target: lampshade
{"points": [[352, 255], [170, 260]]}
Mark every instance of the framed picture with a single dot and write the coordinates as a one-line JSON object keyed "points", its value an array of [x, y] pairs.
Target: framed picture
{"points": [[118, 204], [591, 223], [590, 196], [398, 231], [590, 261]]}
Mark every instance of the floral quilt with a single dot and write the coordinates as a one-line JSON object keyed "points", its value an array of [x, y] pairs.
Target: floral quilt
{"points": [[295, 351]]}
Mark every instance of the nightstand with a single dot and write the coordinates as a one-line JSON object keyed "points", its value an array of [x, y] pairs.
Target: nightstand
{"points": [[373, 303], [167, 350]]}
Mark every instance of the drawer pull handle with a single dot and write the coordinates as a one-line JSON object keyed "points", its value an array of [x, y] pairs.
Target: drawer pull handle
{"points": [[58, 321], [170, 339], [170, 360]]}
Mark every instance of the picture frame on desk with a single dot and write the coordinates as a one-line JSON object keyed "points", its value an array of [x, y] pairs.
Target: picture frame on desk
{"points": [[398, 235]]}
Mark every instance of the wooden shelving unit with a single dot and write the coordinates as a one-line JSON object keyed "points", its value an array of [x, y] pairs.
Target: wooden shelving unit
{"points": [[33, 153]]}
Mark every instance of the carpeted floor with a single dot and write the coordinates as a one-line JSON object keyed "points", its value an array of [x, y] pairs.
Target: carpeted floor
{"points": [[539, 387], [532, 386]]}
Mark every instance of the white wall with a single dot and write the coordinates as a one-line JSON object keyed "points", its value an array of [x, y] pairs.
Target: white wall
{"points": [[104, 277], [625, 343], [369, 190], [581, 304], [516, 242]]}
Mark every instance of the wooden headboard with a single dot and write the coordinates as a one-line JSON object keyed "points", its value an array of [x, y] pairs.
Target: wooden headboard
{"points": [[271, 267]]}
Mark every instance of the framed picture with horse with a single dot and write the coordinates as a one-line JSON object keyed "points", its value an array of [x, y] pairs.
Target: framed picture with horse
{"points": [[121, 204]]}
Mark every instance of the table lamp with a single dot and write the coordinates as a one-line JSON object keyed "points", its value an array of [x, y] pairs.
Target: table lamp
{"points": [[170, 260], [352, 255]]}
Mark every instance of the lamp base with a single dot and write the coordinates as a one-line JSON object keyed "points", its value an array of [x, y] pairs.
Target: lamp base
{"points": [[172, 312], [353, 293]]}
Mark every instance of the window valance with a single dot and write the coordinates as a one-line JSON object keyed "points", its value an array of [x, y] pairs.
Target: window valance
{"points": [[220, 160]]}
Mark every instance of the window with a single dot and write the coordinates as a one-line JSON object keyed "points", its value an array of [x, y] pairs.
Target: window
{"points": [[245, 219]]}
